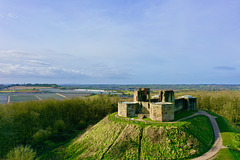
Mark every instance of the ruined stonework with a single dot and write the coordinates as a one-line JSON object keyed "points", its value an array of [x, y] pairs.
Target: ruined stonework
{"points": [[128, 109], [185, 103], [161, 108], [166, 96], [162, 111], [143, 95]]}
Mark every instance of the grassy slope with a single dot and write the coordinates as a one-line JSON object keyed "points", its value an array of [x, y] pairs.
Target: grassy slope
{"points": [[231, 138], [127, 144], [96, 142], [121, 140], [177, 142]]}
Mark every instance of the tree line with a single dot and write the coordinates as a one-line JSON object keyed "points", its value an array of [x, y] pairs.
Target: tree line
{"points": [[34, 122]]}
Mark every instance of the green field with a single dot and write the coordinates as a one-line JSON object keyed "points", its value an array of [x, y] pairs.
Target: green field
{"points": [[74, 95]]}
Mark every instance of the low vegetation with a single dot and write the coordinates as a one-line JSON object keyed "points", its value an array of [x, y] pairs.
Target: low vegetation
{"points": [[124, 139], [21, 152]]}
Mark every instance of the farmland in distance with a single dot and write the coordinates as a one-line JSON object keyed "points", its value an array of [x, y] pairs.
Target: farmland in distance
{"points": [[40, 94]]}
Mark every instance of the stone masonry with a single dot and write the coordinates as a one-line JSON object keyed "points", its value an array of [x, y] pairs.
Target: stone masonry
{"points": [[161, 108]]}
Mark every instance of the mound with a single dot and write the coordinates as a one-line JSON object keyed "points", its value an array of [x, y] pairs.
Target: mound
{"points": [[115, 139]]}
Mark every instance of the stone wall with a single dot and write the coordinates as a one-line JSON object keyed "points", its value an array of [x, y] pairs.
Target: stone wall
{"points": [[122, 109], [192, 104], [128, 109], [145, 107], [156, 111], [185, 103], [167, 112], [180, 104], [162, 111], [162, 108]]}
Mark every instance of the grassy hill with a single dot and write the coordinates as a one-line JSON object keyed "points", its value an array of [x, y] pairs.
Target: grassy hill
{"points": [[114, 138]]}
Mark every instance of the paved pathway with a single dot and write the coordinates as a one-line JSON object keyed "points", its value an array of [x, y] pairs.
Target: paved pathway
{"points": [[218, 138]]}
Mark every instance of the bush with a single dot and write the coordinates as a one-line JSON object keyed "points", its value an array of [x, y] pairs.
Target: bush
{"points": [[21, 153], [41, 135], [59, 126]]}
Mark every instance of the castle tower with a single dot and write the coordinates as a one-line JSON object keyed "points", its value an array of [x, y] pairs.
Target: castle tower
{"points": [[166, 96], [162, 111], [142, 95]]}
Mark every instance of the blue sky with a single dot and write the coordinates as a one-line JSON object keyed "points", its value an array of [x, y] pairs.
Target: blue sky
{"points": [[120, 41]]}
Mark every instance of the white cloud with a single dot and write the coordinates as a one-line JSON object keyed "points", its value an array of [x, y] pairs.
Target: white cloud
{"points": [[15, 64]]}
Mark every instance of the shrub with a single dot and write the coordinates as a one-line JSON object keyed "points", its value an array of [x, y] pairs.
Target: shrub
{"points": [[59, 126], [21, 153], [41, 135]]}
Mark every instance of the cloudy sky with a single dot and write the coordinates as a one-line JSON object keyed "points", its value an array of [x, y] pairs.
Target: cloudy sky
{"points": [[120, 41]]}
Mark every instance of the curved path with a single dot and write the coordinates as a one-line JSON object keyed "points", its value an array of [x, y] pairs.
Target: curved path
{"points": [[218, 138]]}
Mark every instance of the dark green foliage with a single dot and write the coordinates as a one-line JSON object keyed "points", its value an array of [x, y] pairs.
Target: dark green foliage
{"points": [[34, 122]]}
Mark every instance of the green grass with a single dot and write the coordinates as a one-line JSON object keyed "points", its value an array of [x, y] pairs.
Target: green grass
{"points": [[95, 142], [184, 114], [228, 138], [127, 144], [142, 123], [227, 154], [231, 139], [222, 124], [201, 128], [169, 143], [7, 91], [95, 96], [187, 141], [116, 138]]}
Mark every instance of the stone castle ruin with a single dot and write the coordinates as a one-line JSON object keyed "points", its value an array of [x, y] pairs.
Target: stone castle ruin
{"points": [[161, 107]]}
